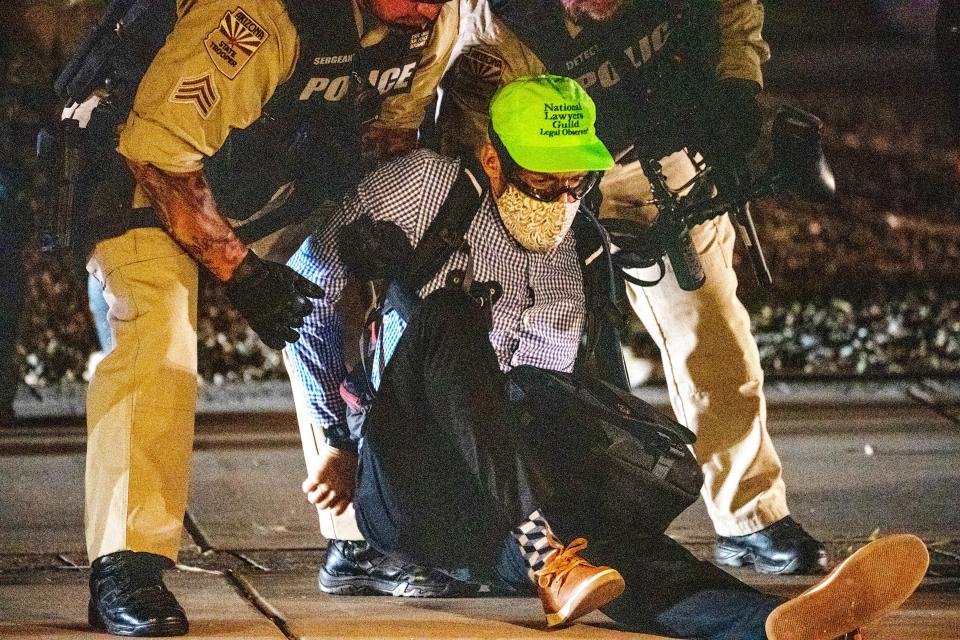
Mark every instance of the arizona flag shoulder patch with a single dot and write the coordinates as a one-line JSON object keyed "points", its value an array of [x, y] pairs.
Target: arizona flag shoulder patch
{"points": [[234, 41], [200, 91]]}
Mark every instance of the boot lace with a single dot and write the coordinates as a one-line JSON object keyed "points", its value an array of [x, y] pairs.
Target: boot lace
{"points": [[562, 563]]}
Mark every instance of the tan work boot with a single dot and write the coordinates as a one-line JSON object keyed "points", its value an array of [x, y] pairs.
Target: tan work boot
{"points": [[571, 587], [871, 583]]}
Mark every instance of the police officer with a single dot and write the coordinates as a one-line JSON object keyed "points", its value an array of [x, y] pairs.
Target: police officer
{"points": [[709, 355], [243, 82]]}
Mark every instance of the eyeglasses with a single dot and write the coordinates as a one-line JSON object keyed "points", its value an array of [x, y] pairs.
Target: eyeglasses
{"points": [[550, 189], [544, 187], [547, 187]]}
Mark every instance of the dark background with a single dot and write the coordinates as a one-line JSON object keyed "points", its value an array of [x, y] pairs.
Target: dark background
{"points": [[866, 286]]}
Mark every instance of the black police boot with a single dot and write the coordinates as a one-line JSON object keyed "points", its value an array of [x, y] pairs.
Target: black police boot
{"points": [[128, 597], [782, 548], [354, 568]]}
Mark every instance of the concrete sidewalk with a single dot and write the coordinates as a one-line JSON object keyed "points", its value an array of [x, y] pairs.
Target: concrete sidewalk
{"points": [[860, 460], [256, 603]]}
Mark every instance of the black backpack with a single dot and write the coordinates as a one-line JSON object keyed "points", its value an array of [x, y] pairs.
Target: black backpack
{"points": [[445, 235], [602, 448]]}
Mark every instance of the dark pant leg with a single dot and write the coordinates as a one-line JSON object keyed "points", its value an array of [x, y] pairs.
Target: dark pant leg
{"points": [[669, 592], [441, 479]]}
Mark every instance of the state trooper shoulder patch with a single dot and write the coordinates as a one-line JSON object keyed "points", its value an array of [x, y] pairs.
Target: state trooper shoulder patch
{"points": [[476, 77], [200, 91], [234, 41]]}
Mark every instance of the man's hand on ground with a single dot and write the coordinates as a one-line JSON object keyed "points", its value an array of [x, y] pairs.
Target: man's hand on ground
{"points": [[330, 484]]}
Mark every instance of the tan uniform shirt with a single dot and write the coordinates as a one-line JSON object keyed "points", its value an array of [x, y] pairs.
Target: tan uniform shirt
{"points": [[191, 96], [742, 51]]}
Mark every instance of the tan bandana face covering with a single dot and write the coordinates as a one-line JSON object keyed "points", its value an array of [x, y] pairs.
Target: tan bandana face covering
{"points": [[537, 226]]}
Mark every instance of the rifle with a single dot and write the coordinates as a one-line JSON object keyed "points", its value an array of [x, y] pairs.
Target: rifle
{"points": [[797, 165], [675, 100]]}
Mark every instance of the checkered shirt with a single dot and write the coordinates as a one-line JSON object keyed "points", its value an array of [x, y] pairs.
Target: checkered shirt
{"points": [[537, 322]]}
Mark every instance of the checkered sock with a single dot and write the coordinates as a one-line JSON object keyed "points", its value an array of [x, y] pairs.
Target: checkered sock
{"points": [[537, 542]]}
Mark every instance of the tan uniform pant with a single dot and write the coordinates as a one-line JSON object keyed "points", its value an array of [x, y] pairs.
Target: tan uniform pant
{"points": [[710, 360], [142, 400], [332, 526], [352, 306]]}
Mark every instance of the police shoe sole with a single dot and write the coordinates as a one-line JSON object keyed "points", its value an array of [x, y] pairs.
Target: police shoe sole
{"points": [[869, 584], [597, 591], [162, 628], [368, 586]]}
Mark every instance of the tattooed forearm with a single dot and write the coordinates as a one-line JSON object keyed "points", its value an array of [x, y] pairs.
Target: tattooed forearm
{"points": [[185, 206]]}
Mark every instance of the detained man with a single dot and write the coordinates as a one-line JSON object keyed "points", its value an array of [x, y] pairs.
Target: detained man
{"points": [[440, 471]]}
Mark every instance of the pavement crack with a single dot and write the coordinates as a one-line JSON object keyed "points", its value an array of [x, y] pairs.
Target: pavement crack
{"points": [[250, 593], [70, 564], [196, 533], [250, 561], [944, 552], [193, 569]]}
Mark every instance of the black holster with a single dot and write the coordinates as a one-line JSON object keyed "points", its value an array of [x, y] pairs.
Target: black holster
{"points": [[59, 151]]}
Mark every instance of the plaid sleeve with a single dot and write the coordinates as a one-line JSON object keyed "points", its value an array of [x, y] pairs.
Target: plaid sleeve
{"points": [[317, 357], [406, 192]]}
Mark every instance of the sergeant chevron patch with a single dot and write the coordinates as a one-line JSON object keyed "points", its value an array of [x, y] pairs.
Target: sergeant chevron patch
{"points": [[200, 91], [234, 41], [183, 6]]}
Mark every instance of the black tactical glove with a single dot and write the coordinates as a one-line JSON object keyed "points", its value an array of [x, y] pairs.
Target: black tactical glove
{"points": [[733, 120], [272, 298]]}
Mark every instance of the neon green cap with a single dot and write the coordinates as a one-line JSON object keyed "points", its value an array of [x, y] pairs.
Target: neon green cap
{"points": [[546, 124]]}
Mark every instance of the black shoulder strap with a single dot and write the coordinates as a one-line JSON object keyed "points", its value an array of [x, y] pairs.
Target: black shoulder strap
{"points": [[442, 238], [599, 354], [446, 233]]}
